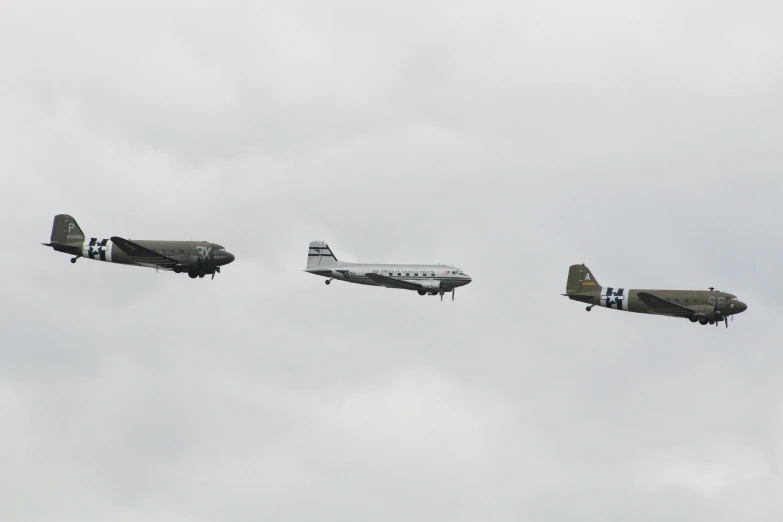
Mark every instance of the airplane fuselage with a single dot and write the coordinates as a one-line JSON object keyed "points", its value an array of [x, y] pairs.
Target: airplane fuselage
{"points": [[188, 253], [431, 277], [627, 299]]}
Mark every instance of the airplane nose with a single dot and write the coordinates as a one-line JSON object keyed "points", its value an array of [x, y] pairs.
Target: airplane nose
{"points": [[740, 307], [230, 257]]}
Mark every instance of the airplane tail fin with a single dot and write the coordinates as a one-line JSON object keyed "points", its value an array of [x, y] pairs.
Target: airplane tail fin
{"points": [[66, 231], [320, 255], [580, 279]]}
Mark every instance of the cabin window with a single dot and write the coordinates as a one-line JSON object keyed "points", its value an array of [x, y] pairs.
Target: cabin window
{"points": [[181, 251], [686, 301]]}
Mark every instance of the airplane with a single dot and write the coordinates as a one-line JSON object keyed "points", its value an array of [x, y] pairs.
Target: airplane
{"points": [[702, 306], [196, 258], [425, 279]]}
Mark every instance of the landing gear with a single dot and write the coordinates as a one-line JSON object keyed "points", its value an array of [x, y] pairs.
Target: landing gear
{"points": [[328, 281], [73, 259], [193, 275], [693, 319], [703, 321], [422, 292], [590, 307]]}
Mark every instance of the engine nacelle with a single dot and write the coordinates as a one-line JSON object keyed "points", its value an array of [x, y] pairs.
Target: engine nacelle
{"points": [[187, 264], [431, 285], [706, 311]]}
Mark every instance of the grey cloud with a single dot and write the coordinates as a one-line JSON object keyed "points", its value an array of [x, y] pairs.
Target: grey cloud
{"points": [[509, 139]]}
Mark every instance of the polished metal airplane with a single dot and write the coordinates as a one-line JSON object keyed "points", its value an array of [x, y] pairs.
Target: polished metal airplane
{"points": [[425, 279], [196, 258], [702, 306]]}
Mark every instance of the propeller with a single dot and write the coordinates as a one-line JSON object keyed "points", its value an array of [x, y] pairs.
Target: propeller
{"points": [[453, 290], [217, 270], [726, 320]]}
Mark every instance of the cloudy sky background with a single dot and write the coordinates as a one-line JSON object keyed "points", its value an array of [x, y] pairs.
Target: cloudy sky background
{"points": [[510, 139]]}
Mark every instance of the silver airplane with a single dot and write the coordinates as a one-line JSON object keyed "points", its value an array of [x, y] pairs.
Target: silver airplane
{"points": [[425, 279]]}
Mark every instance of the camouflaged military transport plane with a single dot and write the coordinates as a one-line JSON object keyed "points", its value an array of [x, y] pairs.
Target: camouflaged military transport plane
{"points": [[197, 258], [705, 306], [425, 279]]}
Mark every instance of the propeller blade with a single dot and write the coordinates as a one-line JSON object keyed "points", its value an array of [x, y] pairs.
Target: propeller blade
{"points": [[726, 319], [452, 294], [213, 275]]}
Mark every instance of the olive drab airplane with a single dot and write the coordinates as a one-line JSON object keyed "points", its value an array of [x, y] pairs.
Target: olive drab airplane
{"points": [[702, 306], [196, 258], [425, 279]]}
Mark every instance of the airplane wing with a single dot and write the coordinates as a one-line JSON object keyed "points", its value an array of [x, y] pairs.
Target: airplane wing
{"points": [[664, 307], [144, 256], [390, 282]]}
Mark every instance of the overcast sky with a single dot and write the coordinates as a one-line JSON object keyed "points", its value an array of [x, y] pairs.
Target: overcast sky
{"points": [[511, 139]]}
